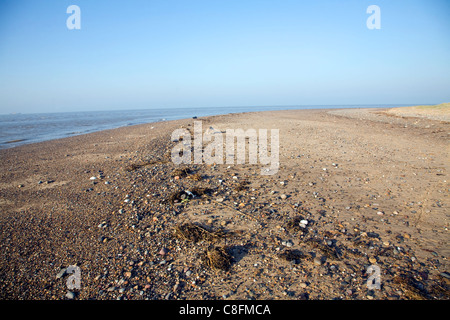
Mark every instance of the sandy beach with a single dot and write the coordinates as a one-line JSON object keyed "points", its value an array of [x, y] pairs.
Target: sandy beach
{"points": [[371, 185]]}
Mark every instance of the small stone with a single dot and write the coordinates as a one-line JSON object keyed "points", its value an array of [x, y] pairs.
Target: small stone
{"points": [[373, 235], [163, 251], [188, 273], [380, 213], [287, 243], [102, 225], [220, 199], [93, 178], [372, 260], [70, 295], [127, 274], [21, 186], [317, 261], [303, 285], [283, 197], [289, 293]]}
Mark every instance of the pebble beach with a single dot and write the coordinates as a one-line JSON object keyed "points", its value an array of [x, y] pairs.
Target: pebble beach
{"points": [[355, 188]]}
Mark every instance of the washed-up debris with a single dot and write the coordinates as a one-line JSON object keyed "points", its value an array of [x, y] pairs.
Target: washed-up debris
{"points": [[417, 290], [217, 258], [181, 172], [412, 289], [242, 185], [195, 176], [195, 233], [297, 224], [293, 255], [331, 252]]}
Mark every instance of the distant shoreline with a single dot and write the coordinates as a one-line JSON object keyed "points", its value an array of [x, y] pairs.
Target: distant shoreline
{"points": [[21, 129]]}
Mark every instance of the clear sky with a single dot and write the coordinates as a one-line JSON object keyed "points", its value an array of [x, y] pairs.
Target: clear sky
{"points": [[166, 53]]}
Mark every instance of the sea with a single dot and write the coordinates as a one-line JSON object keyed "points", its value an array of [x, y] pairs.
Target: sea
{"points": [[19, 129]]}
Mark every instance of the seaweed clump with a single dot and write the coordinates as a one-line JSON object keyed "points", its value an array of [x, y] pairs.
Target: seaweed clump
{"points": [[217, 258], [196, 233]]}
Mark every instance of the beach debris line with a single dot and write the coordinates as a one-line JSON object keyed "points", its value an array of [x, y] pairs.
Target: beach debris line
{"points": [[193, 232]]}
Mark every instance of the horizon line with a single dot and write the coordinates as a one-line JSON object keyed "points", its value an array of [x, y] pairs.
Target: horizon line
{"points": [[236, 106]]}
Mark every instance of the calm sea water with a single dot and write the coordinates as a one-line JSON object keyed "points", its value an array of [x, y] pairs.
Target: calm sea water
{"points": [[19, 129]]}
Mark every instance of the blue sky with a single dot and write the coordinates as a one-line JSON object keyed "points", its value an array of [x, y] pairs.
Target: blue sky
{"points": [[166, 53]]}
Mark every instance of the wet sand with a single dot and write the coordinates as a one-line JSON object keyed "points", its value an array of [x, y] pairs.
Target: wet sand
{"points": [[371, 183]]}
